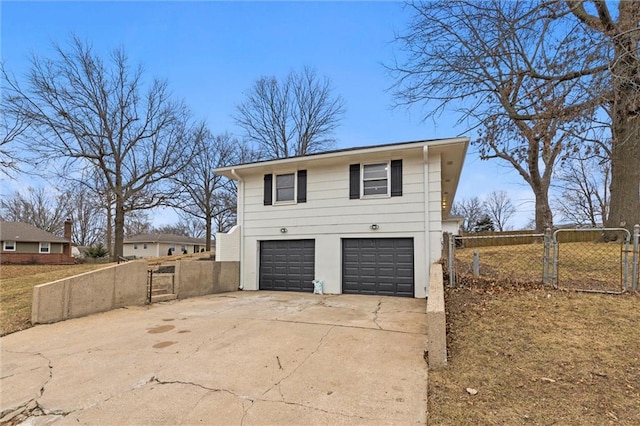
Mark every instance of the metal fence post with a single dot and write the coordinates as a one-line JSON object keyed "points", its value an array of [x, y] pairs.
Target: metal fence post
{"points": [[546, 259], [554, 264], [476, 264], [452, 255], [635, 259]]}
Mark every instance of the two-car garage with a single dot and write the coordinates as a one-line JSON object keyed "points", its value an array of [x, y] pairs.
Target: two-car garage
{"points": [[376, 266]]}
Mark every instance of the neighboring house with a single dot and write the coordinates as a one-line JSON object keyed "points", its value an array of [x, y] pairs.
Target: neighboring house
{"points": [[363, 220], [24, 243], [154, 245]]}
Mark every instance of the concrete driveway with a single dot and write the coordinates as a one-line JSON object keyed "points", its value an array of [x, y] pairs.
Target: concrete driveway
{"points": [[243, 358]]}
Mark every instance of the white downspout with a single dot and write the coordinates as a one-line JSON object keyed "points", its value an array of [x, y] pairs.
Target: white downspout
{"points": [[427, 245], [240, 220]]}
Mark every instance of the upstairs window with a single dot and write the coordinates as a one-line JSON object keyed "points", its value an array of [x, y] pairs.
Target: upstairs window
{"points": [[45, 247], [9, 246], [375, 180], [287, 187]]}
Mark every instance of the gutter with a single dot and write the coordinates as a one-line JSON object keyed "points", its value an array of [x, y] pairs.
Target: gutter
{"points": [[240, 220]]}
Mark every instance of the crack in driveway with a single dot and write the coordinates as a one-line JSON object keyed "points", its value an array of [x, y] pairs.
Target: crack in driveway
{"points": [[32, 407], [302, 363]]}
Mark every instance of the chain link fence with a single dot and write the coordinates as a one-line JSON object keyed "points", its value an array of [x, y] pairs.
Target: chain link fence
{"points": [[594, 260]]}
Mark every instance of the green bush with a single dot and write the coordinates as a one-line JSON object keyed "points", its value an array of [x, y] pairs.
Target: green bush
{"points": [[97, 251]]}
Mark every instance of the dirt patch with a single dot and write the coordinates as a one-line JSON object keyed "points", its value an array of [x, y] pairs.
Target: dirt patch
{"points": [[538, 356]]}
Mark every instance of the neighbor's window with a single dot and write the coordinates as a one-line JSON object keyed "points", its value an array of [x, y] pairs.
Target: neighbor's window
{"points": [[375, 179], [144, 246], [285, 187], [45, 247], [9, 246], [135, 247]]}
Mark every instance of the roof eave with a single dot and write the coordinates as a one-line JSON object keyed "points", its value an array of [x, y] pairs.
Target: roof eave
{"points": [[232, 172]]}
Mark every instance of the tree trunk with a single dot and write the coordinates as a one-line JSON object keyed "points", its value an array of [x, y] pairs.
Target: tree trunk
{"points": [[625, 151], [109, 230], [625, 175], [208, 233], [119, 228], [544, 218]]}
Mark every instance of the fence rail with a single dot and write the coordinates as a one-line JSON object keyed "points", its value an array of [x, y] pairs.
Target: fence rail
{"points": [[594, 260]]}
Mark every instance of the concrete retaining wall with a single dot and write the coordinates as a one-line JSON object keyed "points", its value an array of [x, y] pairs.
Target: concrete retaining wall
{"points": [[436, 319], [97, 291], [201, 277]]}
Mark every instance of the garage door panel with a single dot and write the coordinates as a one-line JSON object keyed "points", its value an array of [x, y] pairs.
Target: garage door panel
{"points": [[378, 266], [287, 265]]}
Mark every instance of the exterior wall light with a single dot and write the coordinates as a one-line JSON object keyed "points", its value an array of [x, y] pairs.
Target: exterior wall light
{"points": [[283, 230], [374, 227]]}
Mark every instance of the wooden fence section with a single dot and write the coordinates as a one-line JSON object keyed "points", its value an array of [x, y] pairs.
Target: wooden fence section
{"points": [[510, 238]]}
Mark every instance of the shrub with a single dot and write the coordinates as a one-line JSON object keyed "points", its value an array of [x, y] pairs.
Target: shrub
{"points": [[96, 252]]}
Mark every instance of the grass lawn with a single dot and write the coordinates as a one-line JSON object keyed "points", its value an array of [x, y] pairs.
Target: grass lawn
{"points": [[17, 282], [16, 290], [538, 356]]}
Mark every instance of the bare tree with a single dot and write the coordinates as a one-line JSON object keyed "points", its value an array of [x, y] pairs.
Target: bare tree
{"points": [[499, 208], [12, 126], [137, 223], [103, 116], [202, 193], [193, 226], [584, 199], [471, 209], [483, 59], [88, 217], [293, 117], [44, 209]]}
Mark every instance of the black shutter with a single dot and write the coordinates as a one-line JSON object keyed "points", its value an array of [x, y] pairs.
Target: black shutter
{"points": [[354, 181], [302, 186], [396, 178], [268, 189]]}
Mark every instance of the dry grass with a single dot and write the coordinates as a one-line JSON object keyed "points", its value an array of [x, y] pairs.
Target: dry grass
{"points": [[589, 266], [16, 290], [538, 356], [17, 282]]}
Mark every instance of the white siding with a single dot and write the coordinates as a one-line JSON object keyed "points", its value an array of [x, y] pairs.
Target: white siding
{"points": [[329, 215], [329, 210]]}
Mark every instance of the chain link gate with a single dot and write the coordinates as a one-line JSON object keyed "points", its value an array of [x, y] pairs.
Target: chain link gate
{"points": [[513, 258], [596, 267], [567, 258]]}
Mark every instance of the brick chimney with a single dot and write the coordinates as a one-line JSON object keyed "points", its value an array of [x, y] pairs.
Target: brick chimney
{"points": [[67, 235]]}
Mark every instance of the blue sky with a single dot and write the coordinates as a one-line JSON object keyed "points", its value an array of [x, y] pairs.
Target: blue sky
{"points": [[212, 52]]}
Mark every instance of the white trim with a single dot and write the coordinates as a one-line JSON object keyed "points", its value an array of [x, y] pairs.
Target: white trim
{"points": [[4, 246], [44, 244]]}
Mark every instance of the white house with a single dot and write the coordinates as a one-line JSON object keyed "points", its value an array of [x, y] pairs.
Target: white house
{"points": [[363, 220], [154, 245]]}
